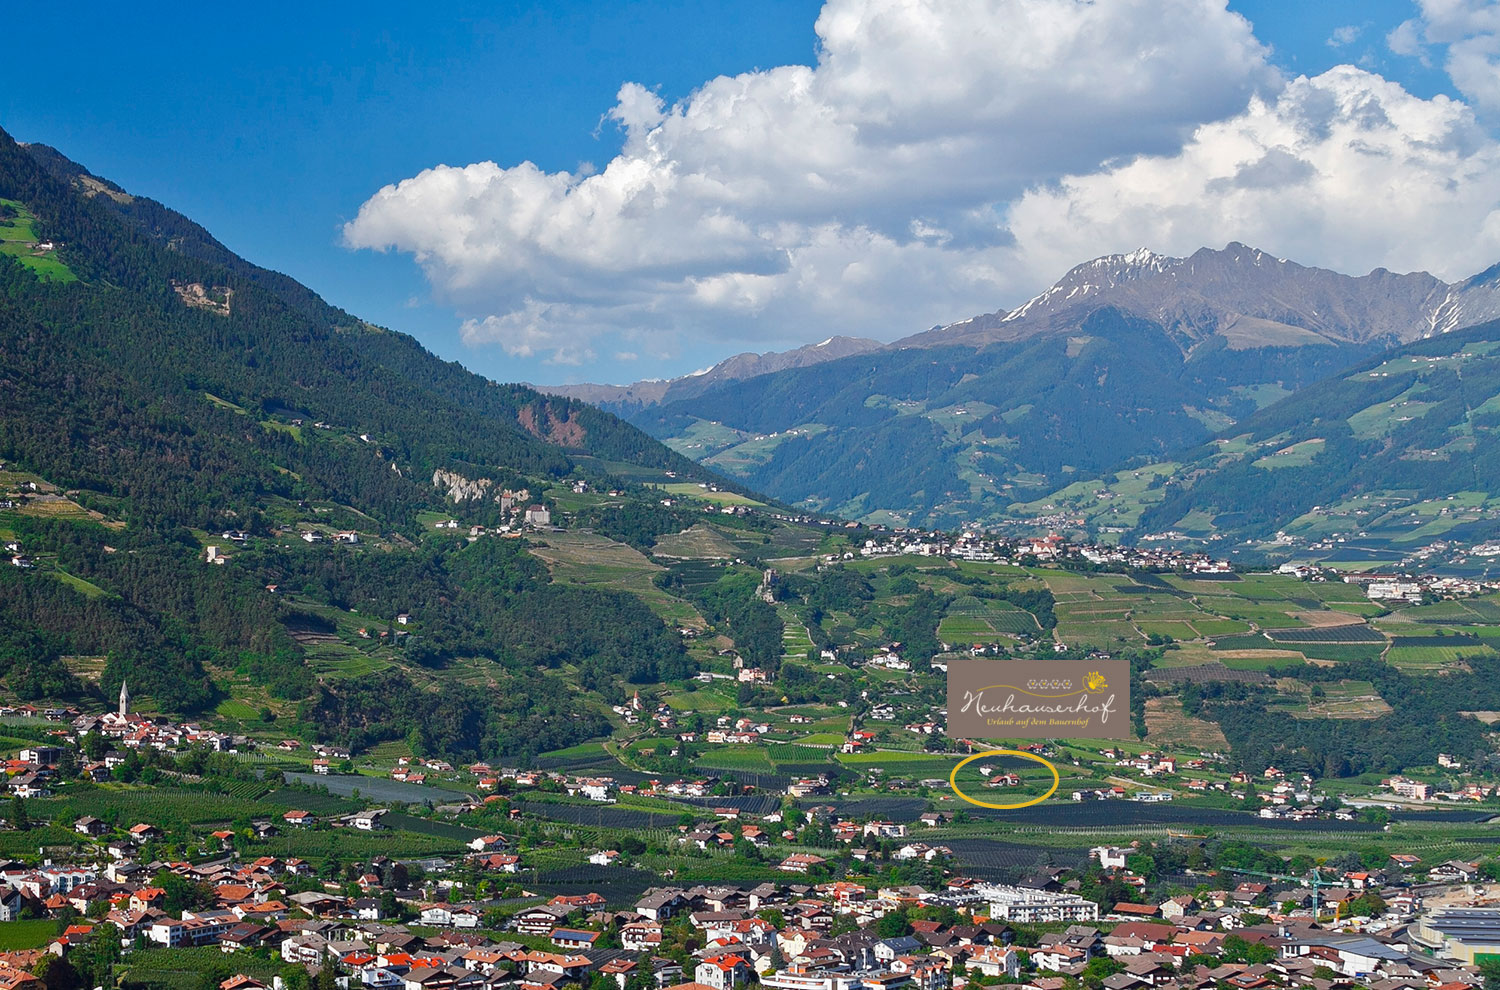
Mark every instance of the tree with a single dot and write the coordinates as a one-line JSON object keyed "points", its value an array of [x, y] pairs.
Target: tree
{"points": [[57, 973], [294, 976], [893, 925], [95, 745], [95, 960], [609, 938], [1489, 969], [1099, 969], [20, 820], [1237, 949], [325, 980], [181, 894], [1141, 864]]}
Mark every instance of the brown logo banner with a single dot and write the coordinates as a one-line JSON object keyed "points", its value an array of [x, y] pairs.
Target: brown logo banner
{"points": [[1039, 699]]}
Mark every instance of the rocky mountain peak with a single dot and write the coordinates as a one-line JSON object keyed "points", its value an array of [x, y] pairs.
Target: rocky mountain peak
{"points": [[1250, 297]]}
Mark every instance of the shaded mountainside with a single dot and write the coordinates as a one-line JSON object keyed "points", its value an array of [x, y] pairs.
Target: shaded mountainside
{"points": [[943, 435], [171, 390], [289, 349]]}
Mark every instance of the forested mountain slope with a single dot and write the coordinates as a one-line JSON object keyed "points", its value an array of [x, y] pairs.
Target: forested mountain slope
{"points": [[171, 390], [278, 346]]}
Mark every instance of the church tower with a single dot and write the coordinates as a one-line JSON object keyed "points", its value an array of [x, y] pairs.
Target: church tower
{"points": [[124, 700]]}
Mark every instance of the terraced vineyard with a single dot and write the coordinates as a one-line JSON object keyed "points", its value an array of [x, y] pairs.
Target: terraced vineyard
{"points": [[1007, 862], [890, 808], [1128, 814], [736, 758], [620, 884], [1357, 633], [1435, 657], [600, 814], [971, 620]]}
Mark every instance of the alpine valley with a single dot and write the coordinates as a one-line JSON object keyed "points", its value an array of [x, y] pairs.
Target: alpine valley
{"points": [[284, 591], [1055, 411]]}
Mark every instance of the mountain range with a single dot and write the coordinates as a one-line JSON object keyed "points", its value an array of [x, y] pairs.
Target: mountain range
{"points": [[1243, 295], [1239, 293], [1126, 359]]}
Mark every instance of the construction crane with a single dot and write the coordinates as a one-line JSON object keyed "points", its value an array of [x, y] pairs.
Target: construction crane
{"points": [[1314, 879]]}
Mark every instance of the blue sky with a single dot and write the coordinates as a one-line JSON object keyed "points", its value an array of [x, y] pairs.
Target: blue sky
{"points": [[273, 133]]}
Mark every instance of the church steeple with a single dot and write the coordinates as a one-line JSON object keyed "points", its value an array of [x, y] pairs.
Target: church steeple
{"points": [[124, 700]]}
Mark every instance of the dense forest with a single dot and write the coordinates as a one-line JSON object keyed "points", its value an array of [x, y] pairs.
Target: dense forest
{"points": [[164, 620], [116, 386], [529, 714]]}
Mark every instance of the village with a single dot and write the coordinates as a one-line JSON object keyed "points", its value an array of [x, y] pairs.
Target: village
{"points": [[979, 546], [392, 923], [877, 906]]}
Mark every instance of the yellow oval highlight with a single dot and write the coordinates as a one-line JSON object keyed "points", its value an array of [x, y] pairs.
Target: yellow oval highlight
{"points": [[953, 778]]}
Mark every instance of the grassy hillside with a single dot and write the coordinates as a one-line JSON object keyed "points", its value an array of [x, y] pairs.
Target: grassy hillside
{"points": [[1360, 470]]}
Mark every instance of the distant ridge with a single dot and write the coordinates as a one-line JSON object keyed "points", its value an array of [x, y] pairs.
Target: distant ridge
{"points": [[625, 399]]}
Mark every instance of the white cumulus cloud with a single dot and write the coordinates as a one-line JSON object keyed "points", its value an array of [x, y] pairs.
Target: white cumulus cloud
{"points": [[1346, 169], [864, 191], [1346, 34], [1469, 32], [943, 158]]}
